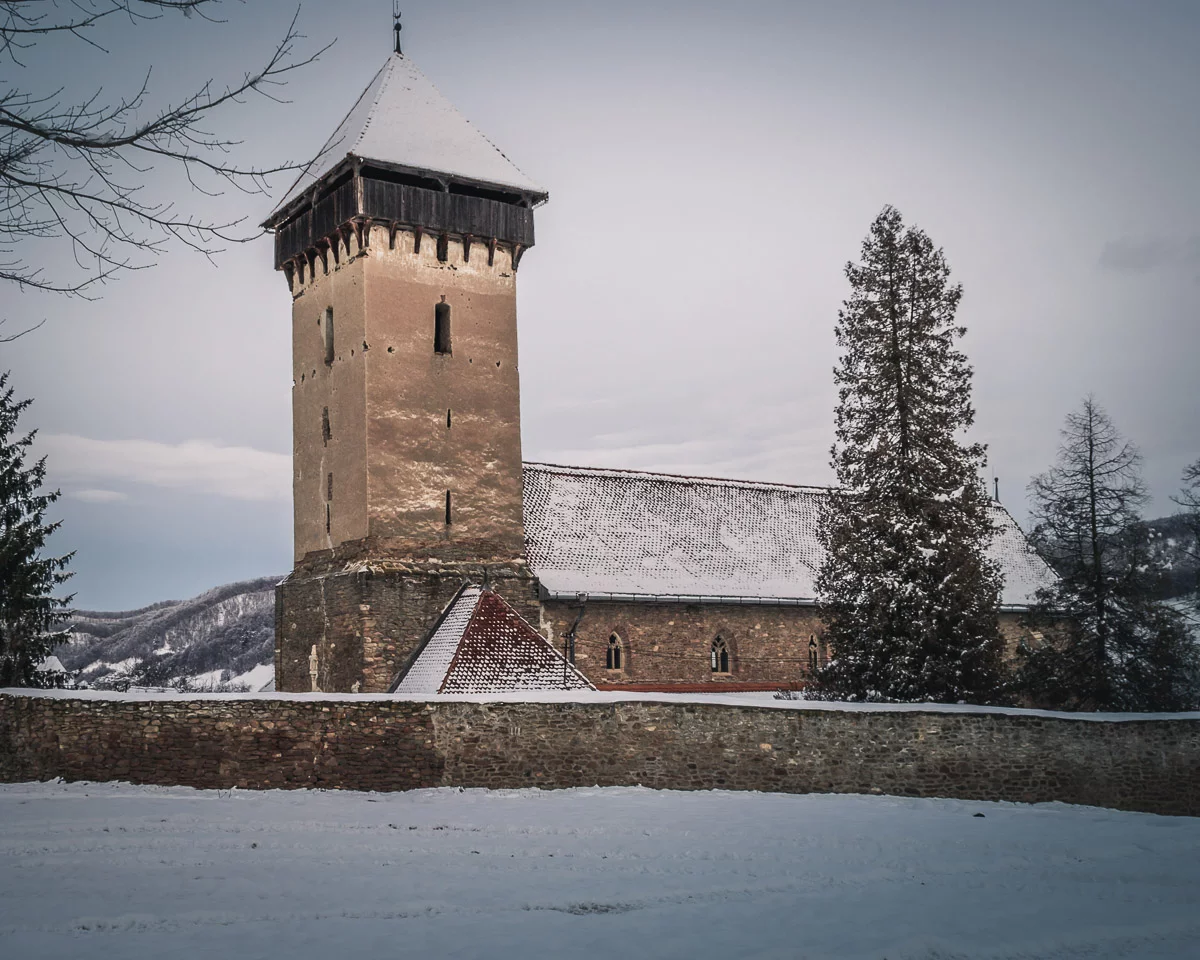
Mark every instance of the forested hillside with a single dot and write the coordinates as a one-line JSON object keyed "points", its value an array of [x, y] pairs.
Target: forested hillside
{"points": [[199, 643]]}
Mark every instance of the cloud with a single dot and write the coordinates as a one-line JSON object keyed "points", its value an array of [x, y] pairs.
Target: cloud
{"points": [[1125, 255], [97, 495], [195, 466]]}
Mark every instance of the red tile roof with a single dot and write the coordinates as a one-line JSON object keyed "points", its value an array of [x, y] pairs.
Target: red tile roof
{"points": [[482, 645]]}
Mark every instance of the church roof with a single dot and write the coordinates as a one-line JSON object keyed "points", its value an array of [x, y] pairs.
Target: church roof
{"points": [[482, 645], [402, 120], [620, 534]]}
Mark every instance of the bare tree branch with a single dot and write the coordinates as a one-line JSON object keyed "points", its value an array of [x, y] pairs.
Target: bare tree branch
{"points": [[13, 336], [75, 170]]}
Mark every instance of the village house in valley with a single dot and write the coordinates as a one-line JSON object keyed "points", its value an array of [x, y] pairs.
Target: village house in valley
{"points": [[423, 541]]}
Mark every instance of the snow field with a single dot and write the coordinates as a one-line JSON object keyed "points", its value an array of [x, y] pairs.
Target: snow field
{"points": [[90, 870]]}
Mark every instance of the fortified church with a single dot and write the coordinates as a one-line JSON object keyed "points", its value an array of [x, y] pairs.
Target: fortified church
{"points": [[429, 557]]}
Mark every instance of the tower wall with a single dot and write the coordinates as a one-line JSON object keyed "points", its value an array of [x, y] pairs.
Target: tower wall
{"points": [[441, 423], [338, 387], [376, 560]]}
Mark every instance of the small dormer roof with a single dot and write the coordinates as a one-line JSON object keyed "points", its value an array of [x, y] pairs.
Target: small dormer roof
{"points": [[480, 644], [402, 120]]}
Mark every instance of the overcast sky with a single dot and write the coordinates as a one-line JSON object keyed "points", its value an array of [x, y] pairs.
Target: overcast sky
{"points": [[711, 167]]}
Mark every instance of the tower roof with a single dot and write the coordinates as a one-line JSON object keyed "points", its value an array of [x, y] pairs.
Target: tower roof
{"points": [[401, 120]]}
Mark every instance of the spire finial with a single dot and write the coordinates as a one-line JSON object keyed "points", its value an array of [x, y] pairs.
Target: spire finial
{"points": [[396, 22]]}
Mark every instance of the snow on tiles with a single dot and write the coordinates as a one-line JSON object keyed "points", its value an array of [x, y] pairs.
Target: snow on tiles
{"points": [[90, 870], [627, 533], [482, 645]]}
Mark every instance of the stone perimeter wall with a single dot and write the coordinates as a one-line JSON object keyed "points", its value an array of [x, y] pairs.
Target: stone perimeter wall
{"points": [[1148, 765]]}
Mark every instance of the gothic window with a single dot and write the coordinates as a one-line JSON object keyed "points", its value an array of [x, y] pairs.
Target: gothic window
{"points": [[812, 654], [328, 336], [612, 657], [441, 328], [719, 656]]}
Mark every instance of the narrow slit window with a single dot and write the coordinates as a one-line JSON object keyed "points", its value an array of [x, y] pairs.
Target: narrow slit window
{"points": [[328, 336], [612, 658], [326, 434], [329, 488], [327, 512], [448, 515], [441, 328], [719, 656], [447, 419]]}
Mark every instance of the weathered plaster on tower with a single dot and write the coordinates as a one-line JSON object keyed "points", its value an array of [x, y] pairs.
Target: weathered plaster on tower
{"points": [[406, 424], [441, 423]]}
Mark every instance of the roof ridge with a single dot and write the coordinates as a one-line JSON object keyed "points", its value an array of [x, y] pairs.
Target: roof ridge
{"points": [[676, 477], [483, 591], [390, 66], [307, 169], [421, 647]]}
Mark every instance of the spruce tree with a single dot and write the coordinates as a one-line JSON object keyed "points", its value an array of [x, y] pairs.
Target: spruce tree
{"points": [[906, 592], [1110, 643], [29, 610]]}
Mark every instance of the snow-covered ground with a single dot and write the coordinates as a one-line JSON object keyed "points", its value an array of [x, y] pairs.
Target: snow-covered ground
{"points": [[114, 870]]}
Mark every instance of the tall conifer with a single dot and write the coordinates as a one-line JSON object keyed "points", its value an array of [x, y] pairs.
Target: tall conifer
{"points": [[1111, 644], [28, 608], [907, 594]]}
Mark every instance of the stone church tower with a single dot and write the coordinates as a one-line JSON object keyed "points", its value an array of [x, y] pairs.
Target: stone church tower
{"points": [[400, 245]]}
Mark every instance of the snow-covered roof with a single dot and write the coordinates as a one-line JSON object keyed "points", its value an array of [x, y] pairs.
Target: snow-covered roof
{"points": [[619, 533], [482, 645], [402, 119]]}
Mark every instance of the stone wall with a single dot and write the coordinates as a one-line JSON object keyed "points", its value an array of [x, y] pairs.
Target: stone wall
{"points": [[216, 742], [367, 621], [669, 644], [385, 744]]}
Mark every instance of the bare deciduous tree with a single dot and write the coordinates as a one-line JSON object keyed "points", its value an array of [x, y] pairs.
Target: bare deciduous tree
{"points": [[74, 170]]}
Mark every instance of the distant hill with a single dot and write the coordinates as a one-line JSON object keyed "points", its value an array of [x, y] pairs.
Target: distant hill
{"points": [[1175, 542], [207, 642]]}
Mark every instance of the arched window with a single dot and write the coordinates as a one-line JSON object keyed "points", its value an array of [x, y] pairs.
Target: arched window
{"points": [[812, 654], [719, 656], [612, 658], [441, 328]]}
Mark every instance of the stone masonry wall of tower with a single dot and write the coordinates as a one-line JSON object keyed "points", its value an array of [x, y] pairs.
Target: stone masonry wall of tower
{"points": [[443, 422], [381, 433]]}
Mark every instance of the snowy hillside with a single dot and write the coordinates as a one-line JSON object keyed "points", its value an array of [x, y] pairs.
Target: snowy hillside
{"points": [[218, 637]]}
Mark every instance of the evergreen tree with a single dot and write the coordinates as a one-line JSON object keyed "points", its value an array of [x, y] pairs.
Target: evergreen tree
{"points": [[907, 594], [1111, 644], [1189, 500], [28, 608]]}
